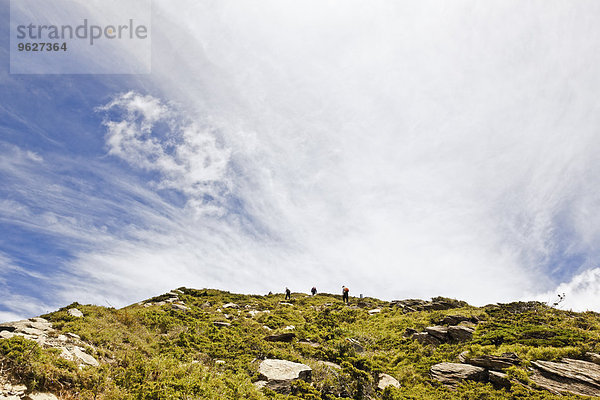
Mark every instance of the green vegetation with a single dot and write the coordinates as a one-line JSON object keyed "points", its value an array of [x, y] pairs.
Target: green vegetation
{"points": [[158, 352]]}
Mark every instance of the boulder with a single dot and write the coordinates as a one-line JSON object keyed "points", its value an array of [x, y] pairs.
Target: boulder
{"points": [[374, 311], [230, 305], [75, 313], [457, 319], [425, 338], [439, 332], [221, 324], [460, 333], [386, 380], [453, 373], [279, 374], [83, 357], [497, 363], [499, 379], [572, 376], [282, 337]]}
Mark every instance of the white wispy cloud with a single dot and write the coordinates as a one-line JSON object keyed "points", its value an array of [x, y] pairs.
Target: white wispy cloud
{"points": [[403, 149]]}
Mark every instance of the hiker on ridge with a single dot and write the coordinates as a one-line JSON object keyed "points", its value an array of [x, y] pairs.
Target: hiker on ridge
{"points": [[313, 290], [288, 294], [345, 292]]}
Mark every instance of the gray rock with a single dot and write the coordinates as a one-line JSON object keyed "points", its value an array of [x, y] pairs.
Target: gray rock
{"points": [[83, 357], [260, 384], [179, 307], [572, 376], [499, 380], [279, 374], [374, 311], [439, 332], [75, 313], [460, 333], [282, 337], [497, 363], [425, 338], [386, 380], [221, 324], [457, 319], [453, 373], [230, 305]]}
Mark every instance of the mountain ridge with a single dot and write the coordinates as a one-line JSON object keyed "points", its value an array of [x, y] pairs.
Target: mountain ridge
{"points": [[212, 344]]}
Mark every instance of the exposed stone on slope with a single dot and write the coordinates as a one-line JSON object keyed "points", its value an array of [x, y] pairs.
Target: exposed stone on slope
{"points": [[453, 373], [426, 338], [573, 376], [41, 331], [386, 380], [279, 374], [498, 363], [457, 319], [499, 379], [438, 332], [460, 333], [75, 313]]}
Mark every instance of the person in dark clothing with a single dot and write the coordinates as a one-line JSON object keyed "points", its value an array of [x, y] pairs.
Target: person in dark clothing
{"points": [[313, 290], [288, 294], [345, 292]]}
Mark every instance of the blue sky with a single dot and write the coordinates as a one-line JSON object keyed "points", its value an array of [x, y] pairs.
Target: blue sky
{"points": [[404, 150]]}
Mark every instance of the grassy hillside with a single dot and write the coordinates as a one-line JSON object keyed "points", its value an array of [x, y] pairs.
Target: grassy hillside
{"points": [[154, 351]]}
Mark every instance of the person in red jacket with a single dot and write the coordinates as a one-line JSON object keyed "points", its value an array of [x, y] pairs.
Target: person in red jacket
{"points": [[345, 292]]}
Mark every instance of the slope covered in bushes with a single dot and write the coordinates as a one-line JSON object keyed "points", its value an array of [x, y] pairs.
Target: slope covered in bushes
{"points": [[209, 344]]}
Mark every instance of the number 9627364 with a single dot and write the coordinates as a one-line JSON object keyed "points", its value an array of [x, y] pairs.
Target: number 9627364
{"points": [[42, 46]]}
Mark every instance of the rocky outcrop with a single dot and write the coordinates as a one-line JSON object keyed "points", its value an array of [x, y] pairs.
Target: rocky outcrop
{"points": [[496, 363], [386, 380], [578, 377], [425, 338], [453, 373], [572, 376], [171, 298], [75, 313], [18, 392], [40, 330], [278, 375], [438, 303], [457, 319], [444, 334]]}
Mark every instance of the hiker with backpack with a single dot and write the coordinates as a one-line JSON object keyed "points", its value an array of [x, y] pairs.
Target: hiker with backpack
{"points": [[288, 294], [345, 292], [313, 290]]}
